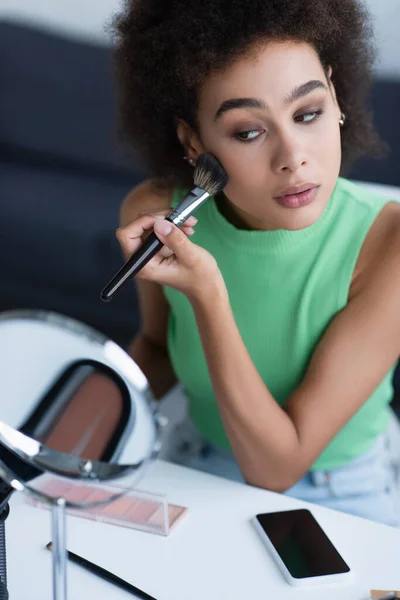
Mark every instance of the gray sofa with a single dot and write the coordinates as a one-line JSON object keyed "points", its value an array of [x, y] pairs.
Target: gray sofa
{"points": [[63, 176]]}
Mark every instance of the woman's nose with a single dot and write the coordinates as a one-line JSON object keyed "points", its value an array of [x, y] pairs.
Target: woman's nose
{"points": [[289, 156]]}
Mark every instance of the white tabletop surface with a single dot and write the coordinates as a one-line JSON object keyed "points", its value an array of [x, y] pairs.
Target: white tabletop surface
{"points": [[214, 553]]}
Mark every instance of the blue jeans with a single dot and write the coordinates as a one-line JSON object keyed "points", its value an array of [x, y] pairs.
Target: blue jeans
{"points": [[365, 487]]}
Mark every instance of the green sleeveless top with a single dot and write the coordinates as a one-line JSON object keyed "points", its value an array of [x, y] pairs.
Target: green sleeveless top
{"points": [[284, 287]]}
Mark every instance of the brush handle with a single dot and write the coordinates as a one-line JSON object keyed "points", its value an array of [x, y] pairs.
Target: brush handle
{"points": [[152, 244], [137, 261], [106, 575]]}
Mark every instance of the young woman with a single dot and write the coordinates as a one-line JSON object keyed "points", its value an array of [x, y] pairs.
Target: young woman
{"points": [[279, 307]]}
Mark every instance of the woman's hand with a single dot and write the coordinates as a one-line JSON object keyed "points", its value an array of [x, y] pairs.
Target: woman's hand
{"points": [[180, 264]]}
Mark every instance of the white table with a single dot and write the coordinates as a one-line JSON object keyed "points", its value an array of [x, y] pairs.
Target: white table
{"points": [[213, 554]]}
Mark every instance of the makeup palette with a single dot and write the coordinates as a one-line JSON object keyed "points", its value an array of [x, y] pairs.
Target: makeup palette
{"points": [[135, 509]]}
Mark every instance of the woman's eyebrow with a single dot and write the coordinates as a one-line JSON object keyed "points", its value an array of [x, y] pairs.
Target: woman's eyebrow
{"points": [[234, 103], [303, 90], [298, 92]]}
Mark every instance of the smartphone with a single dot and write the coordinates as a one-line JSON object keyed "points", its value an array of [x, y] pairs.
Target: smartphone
{"points": [[301, 549]]}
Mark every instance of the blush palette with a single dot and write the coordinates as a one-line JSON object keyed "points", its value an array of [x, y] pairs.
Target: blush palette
{"points": [[135, 509]]}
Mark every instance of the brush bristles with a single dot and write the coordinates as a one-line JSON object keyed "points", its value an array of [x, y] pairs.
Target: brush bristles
{"points": [[209, 174]]}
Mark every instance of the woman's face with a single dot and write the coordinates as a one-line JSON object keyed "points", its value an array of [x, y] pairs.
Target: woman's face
{"points": [[272, 120]]}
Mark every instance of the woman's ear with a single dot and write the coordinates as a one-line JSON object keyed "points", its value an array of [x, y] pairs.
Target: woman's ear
{"points": [[189, 139]]}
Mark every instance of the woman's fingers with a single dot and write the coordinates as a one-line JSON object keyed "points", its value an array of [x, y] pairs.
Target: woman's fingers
{"points": [[179, 263], [132, 236], [176, 241]]}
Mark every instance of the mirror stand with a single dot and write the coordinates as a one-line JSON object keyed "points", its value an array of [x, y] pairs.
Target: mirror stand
{"points": [[59, 549], [5, 493]]}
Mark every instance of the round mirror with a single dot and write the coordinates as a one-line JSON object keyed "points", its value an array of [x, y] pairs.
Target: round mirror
{"points": [[73, 405]]}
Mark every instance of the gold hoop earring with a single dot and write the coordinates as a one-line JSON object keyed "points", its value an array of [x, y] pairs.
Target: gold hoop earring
{"points": [[342, 119]]}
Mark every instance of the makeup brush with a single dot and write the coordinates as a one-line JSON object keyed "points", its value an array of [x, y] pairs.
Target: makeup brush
{"points": [[209, 179]]}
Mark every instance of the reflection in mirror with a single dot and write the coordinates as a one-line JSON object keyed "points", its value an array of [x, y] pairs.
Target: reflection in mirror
{"points": [[83, 412]]}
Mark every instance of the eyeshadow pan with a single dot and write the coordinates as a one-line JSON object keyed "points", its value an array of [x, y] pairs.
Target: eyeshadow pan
{"points": [[78, 493], [142, 511], [55, 488], [118, 508]]}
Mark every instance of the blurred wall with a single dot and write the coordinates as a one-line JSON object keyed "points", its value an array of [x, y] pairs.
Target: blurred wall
{"points": [[87, 19], [77, 18]]}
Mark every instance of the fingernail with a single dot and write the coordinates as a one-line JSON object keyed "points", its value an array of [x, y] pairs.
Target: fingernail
{"points": [[163, 227]]}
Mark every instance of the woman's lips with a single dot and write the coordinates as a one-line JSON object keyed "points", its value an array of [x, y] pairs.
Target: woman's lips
{"points": [[298, 200]]}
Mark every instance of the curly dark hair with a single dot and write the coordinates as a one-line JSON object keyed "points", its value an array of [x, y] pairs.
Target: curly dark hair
{"points": [[165, 49]]}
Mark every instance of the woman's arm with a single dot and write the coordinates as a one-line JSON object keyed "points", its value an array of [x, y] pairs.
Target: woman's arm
{"points": [[274, 447], [149, 348]]}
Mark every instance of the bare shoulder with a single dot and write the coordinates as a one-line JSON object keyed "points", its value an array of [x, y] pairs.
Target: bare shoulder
{"points": [[380, 255], [145, 197]]}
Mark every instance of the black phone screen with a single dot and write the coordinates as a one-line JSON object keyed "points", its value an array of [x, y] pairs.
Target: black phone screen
{"points": [[302, 544]]}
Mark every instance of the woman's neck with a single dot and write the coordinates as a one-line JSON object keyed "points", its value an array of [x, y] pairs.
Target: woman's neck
{"points": [[238, 218], [226, 209]]}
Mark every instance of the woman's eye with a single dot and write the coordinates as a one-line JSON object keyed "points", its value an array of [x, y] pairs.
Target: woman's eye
{"points": [[308, 117], [248, 136]]}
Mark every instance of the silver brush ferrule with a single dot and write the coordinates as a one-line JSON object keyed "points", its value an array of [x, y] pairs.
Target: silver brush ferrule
{"points": [[189, 204]]}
